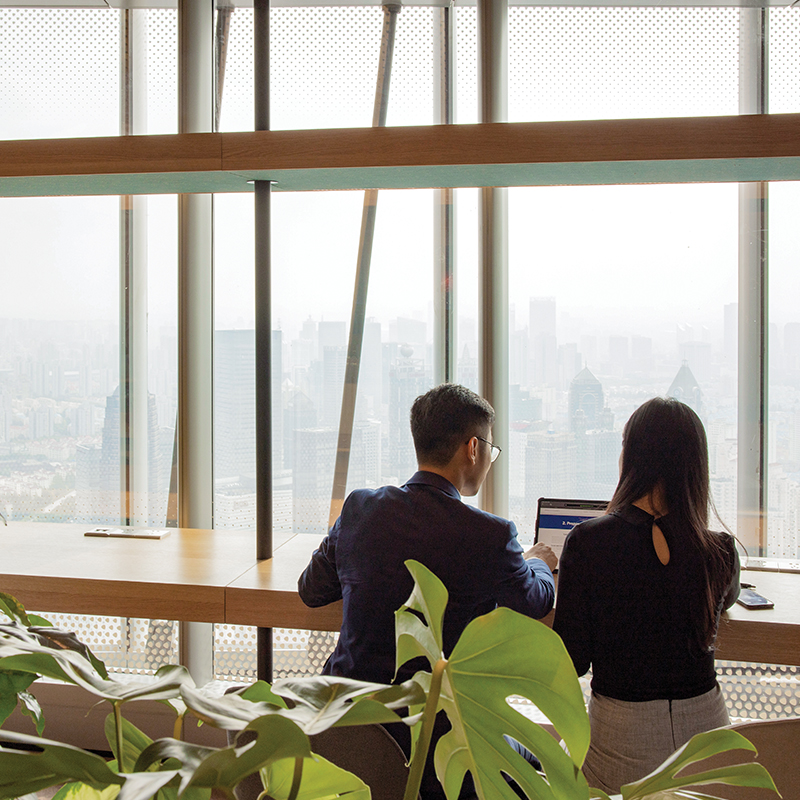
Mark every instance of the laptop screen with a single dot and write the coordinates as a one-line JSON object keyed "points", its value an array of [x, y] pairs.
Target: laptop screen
{"points": [[556, 518]]}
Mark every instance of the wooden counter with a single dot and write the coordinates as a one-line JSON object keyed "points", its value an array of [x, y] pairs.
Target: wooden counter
{"points": [[54, 567], [213, 576], [266, 595]]}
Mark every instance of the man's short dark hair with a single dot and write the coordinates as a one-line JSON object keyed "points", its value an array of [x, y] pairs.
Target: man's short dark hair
{"points": [[445, 418]]}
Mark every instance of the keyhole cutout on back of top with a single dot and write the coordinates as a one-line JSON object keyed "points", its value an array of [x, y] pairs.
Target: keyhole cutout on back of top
{"points": [[660, 545]]}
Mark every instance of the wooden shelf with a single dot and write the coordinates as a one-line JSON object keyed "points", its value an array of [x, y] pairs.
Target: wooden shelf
{"points": [[674, 150]]}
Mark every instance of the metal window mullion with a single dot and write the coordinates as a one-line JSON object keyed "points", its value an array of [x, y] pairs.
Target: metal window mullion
{"points": [[263, 334], [445, 351], [493, 297], [133, 396], [195, 311], [753, 356], [361, 282]]}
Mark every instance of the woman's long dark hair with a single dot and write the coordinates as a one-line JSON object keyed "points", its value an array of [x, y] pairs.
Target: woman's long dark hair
{"points": [[664, 446]]}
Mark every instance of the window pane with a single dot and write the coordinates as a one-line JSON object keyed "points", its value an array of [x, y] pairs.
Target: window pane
{"points": [[783, 488], [618, 293]]}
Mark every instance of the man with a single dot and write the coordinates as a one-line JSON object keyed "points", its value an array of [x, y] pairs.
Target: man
{"points": [[475, 554]]}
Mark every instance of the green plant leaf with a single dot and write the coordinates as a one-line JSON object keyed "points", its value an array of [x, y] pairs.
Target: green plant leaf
{"points": [[22, 772], [323, 701], [428, 598], [13, 609], [665, 781], [229, 712], [82, 791], [12, 684], [30, 707], [134, 742], [276, 738], [321, 780], [146, 785], [261, 692], [318, 703], [498, 655]]}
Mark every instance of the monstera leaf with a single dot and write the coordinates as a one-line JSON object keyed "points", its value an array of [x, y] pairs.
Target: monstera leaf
{"points": [[317, 703], [52, 763], [500, 654], [666, 782], [277, 740], [320, 780], [14, 689], [18, 637]]}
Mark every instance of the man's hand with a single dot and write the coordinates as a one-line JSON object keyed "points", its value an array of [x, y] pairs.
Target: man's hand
{"points": [[545, 553]]}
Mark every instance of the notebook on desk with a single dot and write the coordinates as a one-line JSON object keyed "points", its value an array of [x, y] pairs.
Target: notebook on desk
{"points": [[129, 533], [555, 518]]}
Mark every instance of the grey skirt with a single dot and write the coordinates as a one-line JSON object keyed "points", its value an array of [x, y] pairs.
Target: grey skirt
{"points": [[629, 740]]}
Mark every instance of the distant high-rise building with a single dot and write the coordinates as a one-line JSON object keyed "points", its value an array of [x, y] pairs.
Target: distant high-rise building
{"points": [[234, 404], [407, 380], [685, 388], [314, 461], [586, 400], [550, 462], [698, 356], [543, 350]]}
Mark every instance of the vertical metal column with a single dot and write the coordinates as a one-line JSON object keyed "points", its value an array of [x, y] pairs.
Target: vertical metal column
{"points": [[263, 302], [133, 395], [753, 360], [445, 352], [493, 296], [221, 35], [357, 315], [195, 311]]}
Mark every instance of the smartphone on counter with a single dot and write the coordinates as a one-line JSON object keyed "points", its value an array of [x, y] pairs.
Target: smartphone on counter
{"points": [[750, 599]]}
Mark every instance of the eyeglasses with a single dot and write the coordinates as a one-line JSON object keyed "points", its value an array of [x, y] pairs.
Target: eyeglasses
{"points": [[495, 449]]}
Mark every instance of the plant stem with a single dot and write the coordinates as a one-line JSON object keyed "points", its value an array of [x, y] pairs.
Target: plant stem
{"points": [[420, 756], [177, 728], [118, 731], [296, 778]]}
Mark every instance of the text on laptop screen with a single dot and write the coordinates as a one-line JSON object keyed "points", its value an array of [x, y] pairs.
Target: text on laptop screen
{"points": [[556, 518]]}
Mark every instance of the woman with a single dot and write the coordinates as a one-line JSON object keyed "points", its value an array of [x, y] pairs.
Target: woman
{"points": [[640, 592]]}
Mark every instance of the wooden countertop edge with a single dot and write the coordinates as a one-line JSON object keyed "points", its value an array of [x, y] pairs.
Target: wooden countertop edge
{"points": [[681, 138], [173, 601]]}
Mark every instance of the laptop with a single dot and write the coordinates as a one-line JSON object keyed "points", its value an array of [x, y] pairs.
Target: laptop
{"points": [[556, 518]]}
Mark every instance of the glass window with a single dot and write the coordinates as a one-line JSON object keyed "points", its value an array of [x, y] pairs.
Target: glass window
{"points": [[618, 293]]}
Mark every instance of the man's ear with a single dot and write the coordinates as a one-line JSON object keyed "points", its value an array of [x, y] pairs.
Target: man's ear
{"points": [[472, 449]]}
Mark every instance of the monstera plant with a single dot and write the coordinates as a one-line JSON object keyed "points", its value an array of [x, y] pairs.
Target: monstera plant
{"points": [[499, 655]]}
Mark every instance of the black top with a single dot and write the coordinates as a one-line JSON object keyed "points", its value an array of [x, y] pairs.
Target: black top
{"points": [[630, 617], [475, 554]]}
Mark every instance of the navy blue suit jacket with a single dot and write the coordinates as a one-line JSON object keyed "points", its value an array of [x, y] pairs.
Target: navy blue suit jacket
{"points": [[476, 555]]}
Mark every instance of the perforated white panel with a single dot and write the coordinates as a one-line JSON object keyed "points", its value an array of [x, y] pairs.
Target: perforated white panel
{"points": [[162, 70], [60, 72], [593, 63], [295, 652], [784, 60], [138, 646]]}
